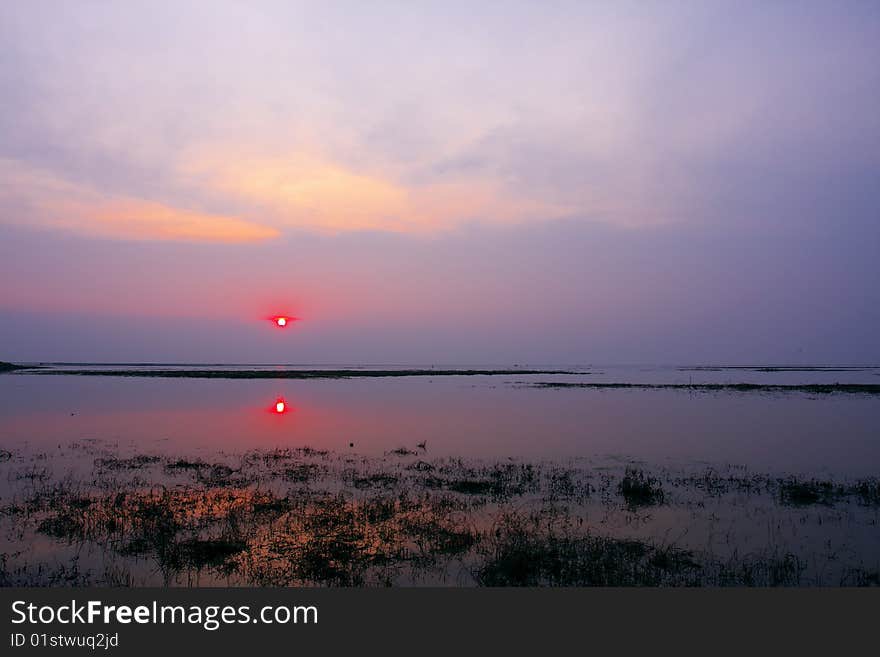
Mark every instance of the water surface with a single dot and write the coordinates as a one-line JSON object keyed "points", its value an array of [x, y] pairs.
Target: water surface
{"points": [[453, 480], [475, 416]]}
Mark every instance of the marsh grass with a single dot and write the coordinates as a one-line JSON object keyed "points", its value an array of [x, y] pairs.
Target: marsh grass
{"points": [[640, 489], [309, 517], [525, 551], [133, 463], [797, 492]]}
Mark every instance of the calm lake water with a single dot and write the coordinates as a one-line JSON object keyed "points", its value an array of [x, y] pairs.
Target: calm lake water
{"points": [[450, 480], [468, 416]]}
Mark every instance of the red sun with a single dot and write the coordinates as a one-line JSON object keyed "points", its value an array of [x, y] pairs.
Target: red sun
{"points": [[280, 406], [282, 321]]}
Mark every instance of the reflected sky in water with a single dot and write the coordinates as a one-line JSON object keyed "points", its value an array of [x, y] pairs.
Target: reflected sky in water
{"points": [[492, 417]]}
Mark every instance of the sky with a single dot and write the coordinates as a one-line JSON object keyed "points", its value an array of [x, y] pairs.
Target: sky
{"points": [[440, 183]]}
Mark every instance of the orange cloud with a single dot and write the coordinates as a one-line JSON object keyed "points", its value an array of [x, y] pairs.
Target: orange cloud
{"points": [[300, 191], [310, 192], [41, 198], [137, 219]]}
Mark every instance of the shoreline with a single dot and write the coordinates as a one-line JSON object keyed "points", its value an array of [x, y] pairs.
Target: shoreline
{"points": [[288, 374], [814, 388], [349, 373]]}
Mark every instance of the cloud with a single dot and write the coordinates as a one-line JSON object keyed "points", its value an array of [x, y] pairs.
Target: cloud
{"points": [[285, 192], [41, 198], [307, 192], [272, 118]]}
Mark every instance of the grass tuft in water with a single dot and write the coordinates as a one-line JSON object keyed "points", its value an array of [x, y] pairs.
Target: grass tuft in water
{"points": [[639, 489]]}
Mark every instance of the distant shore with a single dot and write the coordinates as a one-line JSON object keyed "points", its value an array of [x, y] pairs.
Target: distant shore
{"points": [[288, 374], [355, 373], [813, 388], [12, 367]]}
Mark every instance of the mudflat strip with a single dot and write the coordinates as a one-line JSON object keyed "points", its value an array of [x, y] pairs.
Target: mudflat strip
{"points": [[288, 374], [811, 388]]}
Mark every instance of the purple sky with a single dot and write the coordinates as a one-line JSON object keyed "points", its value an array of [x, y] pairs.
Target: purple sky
{"points": [[440, 183]]}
